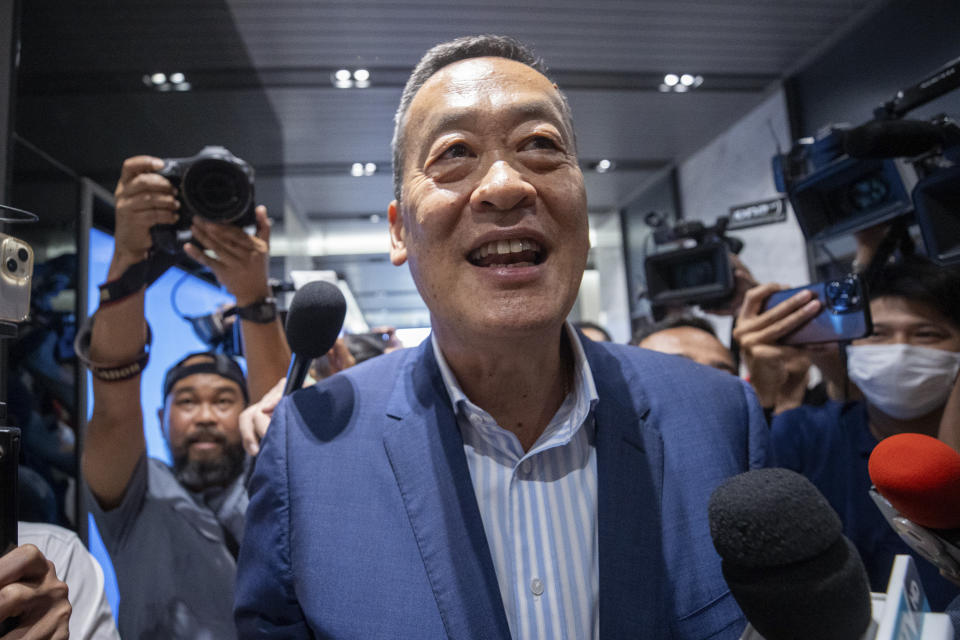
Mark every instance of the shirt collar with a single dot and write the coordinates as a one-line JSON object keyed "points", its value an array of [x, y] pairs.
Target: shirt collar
{"points": [[584, 390]]}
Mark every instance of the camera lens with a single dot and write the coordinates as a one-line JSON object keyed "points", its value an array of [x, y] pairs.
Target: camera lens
{"points": [[12, 265], [219, 190], [23, 254]]}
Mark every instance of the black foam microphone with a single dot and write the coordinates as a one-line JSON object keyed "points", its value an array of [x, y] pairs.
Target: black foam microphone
{"points": [[892, 139], [785, 558], [314, 321]]}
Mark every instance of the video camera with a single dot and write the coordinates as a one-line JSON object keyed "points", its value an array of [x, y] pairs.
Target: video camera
{"points": [[214, 185], [698, 274], [847, 179]]}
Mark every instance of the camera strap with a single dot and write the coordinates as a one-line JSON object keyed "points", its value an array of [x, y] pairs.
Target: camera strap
{"points": [[137, 276]]}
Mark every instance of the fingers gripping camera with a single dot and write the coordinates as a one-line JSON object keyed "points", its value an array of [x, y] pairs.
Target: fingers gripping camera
{"points": [[214, 185]]}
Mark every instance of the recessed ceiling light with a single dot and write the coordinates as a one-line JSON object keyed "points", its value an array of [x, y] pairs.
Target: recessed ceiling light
{"points": [[361, 75], [342, 74], [356, 169], [369, 169], [604, 165], [686, 80], [177, 78], [158, 78], [671, 79]]}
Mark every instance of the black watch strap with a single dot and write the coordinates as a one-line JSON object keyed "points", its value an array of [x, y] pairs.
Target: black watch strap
{"points": [[262, 311]]}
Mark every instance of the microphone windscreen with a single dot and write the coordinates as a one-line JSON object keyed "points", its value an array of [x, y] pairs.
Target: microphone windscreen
{"points": [[315, 318], [786, 560], [920, 476], [771, 517], [826, 597], [892, 139]]}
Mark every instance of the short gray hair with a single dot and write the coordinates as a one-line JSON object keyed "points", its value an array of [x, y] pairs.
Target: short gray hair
{"points": [[444, 54]]}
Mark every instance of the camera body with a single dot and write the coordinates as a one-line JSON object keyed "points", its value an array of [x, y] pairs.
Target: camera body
{"points": [[833, 193], [699, 274], [848, 179], [214, 185]]}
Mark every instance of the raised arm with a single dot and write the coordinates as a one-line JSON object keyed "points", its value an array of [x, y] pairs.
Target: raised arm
{"points": [[114, 439], [241, 264]]}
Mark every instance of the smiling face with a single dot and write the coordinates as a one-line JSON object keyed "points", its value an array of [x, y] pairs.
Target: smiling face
{"points": [[201, 422], [493, 216]]}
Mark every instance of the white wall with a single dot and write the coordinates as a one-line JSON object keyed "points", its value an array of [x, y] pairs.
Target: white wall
{"points": [[734, 169]]}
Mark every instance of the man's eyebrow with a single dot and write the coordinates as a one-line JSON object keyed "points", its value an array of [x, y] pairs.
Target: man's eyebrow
{"points": [[226, 389]]}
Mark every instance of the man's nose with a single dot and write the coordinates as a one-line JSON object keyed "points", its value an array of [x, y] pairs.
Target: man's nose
{"points": [[205, 413], [503, 188]]}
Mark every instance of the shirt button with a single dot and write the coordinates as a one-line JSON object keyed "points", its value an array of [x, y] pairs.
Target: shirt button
{"points": [[525, 469], [536, 587]]}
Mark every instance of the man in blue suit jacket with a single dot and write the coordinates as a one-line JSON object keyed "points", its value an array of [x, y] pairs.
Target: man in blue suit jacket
{"points": [[386, 499]]}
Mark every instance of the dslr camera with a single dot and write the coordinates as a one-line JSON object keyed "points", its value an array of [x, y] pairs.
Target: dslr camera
{"points": [[214, 185], [697, 270]]}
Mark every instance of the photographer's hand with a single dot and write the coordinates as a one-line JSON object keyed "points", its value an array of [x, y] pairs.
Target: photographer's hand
{"points": [[31, 591], [242, 265], [777, 372], [144, 198], [242, 261]]}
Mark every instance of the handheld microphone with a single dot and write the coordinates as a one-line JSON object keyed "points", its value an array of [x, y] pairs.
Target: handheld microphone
{"points": [[785, 558], [917, 488], [892, 139], [313, 323]]}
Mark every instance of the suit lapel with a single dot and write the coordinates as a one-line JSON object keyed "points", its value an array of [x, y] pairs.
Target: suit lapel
{"points": [[425, 450], [633, 578]]}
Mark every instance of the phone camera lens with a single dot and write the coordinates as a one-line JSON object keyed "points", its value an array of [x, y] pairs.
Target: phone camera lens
{"points": [[12, 265], [22, 254]]}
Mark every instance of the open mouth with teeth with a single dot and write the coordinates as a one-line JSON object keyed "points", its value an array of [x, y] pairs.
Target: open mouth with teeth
{"points": [[513, 253]]}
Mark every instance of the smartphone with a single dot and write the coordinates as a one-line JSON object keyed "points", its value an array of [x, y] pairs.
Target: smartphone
{"points": [[16, 274], [844, 313]]}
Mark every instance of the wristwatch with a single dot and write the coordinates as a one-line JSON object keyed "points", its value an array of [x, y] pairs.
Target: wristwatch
{"points": [[262, 311]]}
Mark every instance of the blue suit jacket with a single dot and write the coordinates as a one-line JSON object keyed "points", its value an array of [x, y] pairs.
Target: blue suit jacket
{"points": [[363, 521]]}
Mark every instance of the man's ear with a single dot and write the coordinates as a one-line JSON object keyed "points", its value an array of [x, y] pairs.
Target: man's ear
{"points": [[398, 247]]}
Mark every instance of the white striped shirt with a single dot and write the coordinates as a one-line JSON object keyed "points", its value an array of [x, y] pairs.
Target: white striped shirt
{"points": [[539, 509]]}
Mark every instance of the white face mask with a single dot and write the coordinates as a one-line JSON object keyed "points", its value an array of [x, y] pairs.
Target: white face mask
{"points": [[902, 380]]}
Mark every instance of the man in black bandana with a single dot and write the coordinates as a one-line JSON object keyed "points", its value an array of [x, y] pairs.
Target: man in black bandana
{"points": [[173, 533], [206, 452]]}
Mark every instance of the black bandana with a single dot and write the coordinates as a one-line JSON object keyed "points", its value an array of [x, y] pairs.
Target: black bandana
{"points": [[218, 364]]}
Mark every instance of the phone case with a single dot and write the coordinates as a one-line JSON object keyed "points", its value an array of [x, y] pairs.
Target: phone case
{"points": [[16, 274], [845, 314]]}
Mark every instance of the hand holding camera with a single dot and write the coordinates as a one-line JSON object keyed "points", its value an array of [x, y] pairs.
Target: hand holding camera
{"points": [[198, 205], [144, 199], [238, 260]]}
